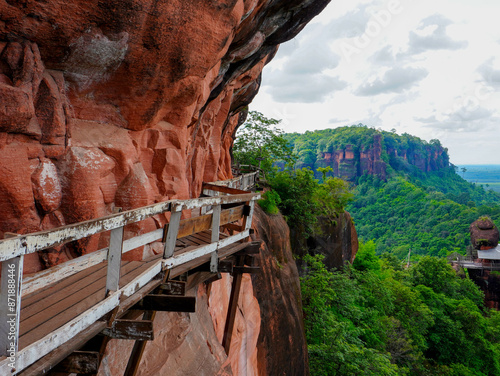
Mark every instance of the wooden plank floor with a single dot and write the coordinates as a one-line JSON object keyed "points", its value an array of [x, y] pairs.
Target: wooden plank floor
{"points": [[47, 309]]}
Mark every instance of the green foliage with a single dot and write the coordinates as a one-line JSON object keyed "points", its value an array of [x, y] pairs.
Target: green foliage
{"points": [[366, 258], [421, 321], [401, 214], [304, 199], [269, 202], [296, 190], [332, 197], [260, 143]]}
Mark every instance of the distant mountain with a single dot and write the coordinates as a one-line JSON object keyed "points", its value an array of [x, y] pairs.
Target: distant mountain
{"points": [[407, 195], [357, 150]]}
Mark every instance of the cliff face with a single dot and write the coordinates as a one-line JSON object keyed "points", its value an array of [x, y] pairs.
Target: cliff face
{"points": [[355, 151], [336, 239], [107, 104], [124, 103]]}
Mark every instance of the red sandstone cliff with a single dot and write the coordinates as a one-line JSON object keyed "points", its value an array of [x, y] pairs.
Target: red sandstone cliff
{"points": [[108, 104], [124, 103]]}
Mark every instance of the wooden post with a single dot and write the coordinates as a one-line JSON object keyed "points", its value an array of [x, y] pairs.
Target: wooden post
{"points": [[135, 357], [214, 260], [248, 219], [10, 306], [233, 305], [173, 228], [114, 259]]}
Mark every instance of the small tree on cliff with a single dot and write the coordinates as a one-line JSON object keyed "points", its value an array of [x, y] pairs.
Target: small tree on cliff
{"points": [[260, 143]]}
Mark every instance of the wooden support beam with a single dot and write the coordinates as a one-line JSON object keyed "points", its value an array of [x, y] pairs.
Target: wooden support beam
{"points": [[245, 269], [10, 306], [135, 357], [173, 288], [226, 266], [233, 305], [253, 248], [250, 260], [80, 362], [167, 303], [138, 330]]}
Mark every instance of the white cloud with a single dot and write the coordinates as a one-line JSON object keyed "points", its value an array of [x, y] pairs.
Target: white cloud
{"points": [[351, 24], [490, 75], [395, 80], [431, 35], [311, 58], [464, 119], [302, 88]]}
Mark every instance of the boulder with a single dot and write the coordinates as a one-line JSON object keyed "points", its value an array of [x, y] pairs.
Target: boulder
{"points": [[484, 234]]}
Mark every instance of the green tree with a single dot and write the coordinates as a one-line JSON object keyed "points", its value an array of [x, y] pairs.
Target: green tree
{"points": [[259, 142]]}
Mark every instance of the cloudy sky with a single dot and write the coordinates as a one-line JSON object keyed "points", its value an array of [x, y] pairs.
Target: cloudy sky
{"points": [[427, 68]]}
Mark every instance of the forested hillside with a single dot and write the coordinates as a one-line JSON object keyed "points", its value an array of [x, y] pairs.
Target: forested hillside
{"points": [[376, 318], [357, 150], [406, 193]]}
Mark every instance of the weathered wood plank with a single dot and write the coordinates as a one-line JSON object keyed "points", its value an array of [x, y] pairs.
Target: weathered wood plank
{"points": [[172, 230], [188, 256], [216, 223], [138, 349], [135, 285], [167, 303], [81, 362], [48, 362], [137, 330], [114, 259], [141, 240], [38, 349], [53, 310], [222, 188], [58, 298], [47, 277], [187, 227], [198, 202], [233, 227]]}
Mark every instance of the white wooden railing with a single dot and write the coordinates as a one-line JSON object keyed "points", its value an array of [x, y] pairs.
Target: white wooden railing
{"points": [[13, 250]]}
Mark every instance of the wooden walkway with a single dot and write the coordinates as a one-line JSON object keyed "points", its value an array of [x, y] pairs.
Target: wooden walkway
{"points": [[47, 316]]}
